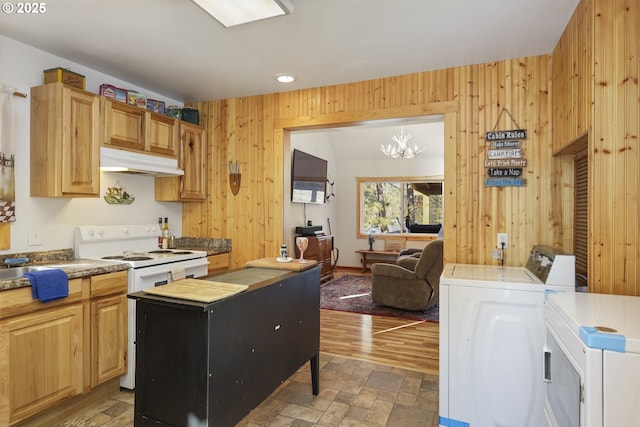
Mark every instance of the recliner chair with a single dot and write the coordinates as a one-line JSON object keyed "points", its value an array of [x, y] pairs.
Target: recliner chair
{"points": [[401, 286]]}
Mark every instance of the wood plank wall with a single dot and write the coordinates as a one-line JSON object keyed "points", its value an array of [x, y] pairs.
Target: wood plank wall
{"points": [[616, 164], [254, 131], [595, 104], [572, 66]]}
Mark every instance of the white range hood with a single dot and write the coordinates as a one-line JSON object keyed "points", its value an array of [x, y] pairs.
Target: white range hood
{"points": [[123, 161]]}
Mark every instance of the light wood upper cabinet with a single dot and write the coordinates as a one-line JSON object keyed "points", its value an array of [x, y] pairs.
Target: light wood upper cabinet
{"points": [[65, 145], [133, 128], [163, 134], [124, 125], [193, 160], [42, 361]]}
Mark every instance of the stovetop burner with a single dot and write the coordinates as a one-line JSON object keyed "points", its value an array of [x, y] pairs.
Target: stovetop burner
{"points": [[113, 257], [182, 252], [137, 258], [160, 251]]}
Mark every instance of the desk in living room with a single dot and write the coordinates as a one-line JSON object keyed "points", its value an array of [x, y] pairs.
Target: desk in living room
{"points": [[371, 257]]}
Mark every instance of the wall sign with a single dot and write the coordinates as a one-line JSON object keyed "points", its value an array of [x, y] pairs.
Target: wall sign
{"points": [[505, 163]]}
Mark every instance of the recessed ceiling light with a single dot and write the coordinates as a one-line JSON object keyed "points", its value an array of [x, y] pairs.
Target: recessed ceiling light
{"points": [[235, 12], [285, 78]]}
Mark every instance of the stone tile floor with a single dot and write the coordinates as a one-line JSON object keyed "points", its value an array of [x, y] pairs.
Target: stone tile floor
{"points": [[353, 393]]}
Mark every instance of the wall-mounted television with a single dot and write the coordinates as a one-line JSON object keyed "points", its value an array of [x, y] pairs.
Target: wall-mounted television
{"points": [[308, 178]]}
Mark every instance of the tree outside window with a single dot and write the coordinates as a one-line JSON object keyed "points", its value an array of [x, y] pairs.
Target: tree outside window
{"points": [[394, 205]]}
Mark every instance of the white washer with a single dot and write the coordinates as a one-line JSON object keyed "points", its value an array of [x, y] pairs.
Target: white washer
{"points": [[592, 360], [491, 340]]}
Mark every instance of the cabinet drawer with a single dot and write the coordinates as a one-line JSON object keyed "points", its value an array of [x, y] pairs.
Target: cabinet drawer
{"points": [[218, 262], [109, 284], [19, 300]]}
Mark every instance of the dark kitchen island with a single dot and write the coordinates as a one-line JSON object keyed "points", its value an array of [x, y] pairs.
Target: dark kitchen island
{"points": [[210, 364]]}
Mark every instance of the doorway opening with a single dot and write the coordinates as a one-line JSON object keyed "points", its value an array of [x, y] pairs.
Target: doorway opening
{"points": [[353, 151]]}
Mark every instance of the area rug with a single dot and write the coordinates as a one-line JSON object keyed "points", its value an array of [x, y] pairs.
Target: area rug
{"points": [[353, 293]]}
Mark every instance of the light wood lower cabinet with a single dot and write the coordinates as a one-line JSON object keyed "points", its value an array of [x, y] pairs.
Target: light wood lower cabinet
{"points": [[62, 349], [218, 263], [108, 327], [41, 361]]}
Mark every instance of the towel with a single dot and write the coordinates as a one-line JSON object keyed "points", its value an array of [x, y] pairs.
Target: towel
{"points": [[178, 274], [48, 285]]}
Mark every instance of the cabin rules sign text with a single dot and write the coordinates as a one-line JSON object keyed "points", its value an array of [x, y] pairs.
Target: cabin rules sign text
{"points": [[505, 162]]}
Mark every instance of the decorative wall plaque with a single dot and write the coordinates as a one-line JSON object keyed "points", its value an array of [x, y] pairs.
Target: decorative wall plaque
{"points": [[505, 163]]}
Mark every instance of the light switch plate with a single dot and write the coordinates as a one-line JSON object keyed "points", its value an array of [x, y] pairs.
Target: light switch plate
{"points": [[34, 236]]}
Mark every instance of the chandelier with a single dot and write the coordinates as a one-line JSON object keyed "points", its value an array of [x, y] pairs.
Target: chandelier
{"points": [[401, 148]]}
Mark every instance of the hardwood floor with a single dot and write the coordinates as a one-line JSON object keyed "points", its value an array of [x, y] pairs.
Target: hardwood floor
{"points": [[387, 340], [391, 341]]}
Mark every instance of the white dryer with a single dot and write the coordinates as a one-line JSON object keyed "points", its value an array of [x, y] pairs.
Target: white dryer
{"points": [[592, 360], [491, 340]]}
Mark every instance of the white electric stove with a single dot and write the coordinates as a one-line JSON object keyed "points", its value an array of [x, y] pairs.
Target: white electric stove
{"points": [[137, 245]]}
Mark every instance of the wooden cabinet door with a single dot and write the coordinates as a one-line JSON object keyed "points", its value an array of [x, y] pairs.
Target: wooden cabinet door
{"points": [[65, 144], [319, 249], [41, 361], [192, 186], [108, 326], [193, 158], [80, 143], [124, 125], [108, 338], [324, 254], [163, 135]]}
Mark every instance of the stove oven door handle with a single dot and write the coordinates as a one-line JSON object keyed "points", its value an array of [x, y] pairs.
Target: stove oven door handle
{"points": [[144, 276]]}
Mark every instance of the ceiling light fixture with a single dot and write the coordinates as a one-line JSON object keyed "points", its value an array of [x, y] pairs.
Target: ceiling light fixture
{"points": [[285, 78], [401, 148], [236, 12]]}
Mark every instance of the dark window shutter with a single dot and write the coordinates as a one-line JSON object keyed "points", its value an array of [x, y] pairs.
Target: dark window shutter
{"points": [[581, 220]]}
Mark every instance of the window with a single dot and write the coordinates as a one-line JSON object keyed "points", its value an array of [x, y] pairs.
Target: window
{"points": [[399, 205]]}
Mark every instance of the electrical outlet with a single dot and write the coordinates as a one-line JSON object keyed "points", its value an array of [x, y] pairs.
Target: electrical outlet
{"points": [[503, 241], [34, 236]]}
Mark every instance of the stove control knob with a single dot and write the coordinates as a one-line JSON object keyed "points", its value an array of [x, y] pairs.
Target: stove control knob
{"points": [[100, 232], [125, 230], [90, 232]]}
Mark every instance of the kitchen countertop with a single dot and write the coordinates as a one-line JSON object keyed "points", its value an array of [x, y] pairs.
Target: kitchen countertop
{"points": [[74, 268], [212, 246]]}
